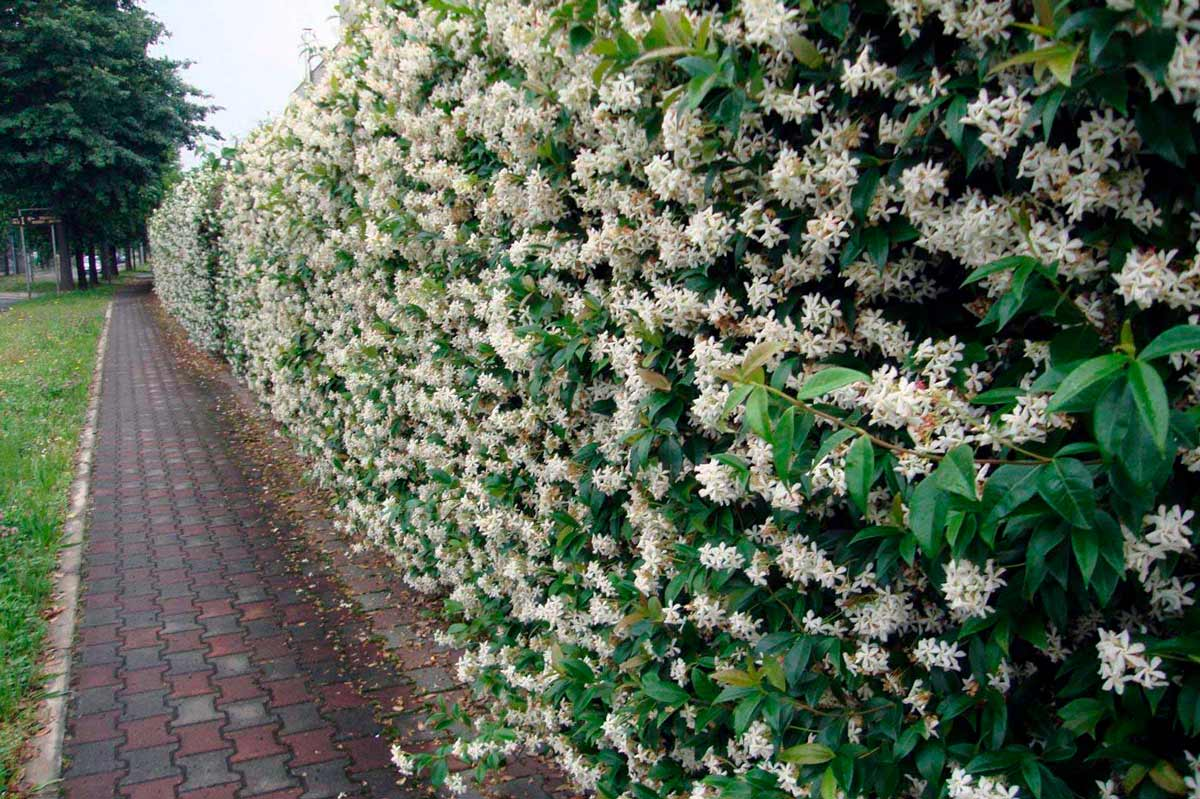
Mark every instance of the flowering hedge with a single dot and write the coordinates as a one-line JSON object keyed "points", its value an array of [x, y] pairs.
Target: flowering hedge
{"points": [[184, 232], [786, 399]]}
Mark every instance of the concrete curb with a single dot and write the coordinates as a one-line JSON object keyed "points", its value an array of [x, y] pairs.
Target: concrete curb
{"points": [[43, 765]]}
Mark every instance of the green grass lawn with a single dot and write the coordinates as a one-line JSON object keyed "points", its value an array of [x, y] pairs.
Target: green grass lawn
{"points": [[42, 282], [47, 352]]}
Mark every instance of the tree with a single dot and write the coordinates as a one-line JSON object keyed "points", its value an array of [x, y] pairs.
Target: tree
{"points": [[90, 123]]}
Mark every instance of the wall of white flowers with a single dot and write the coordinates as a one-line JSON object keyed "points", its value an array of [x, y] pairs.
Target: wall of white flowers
{"points": [[786, 399]]}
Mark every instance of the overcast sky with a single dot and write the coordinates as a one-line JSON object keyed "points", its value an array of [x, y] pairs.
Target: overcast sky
{"points": [[247, 53]]}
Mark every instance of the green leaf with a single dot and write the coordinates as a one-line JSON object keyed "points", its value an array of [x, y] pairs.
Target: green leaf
{"points": [[956, 472], [829, 784], [860, 471], [1113, 417], [806, 754], [829, 379], [1066, 485], [1166, 132], [744, 713], [805, 51], [1012, 262], [756, 413], [1089, 374], [864, 192], [1009, 487], [835, 20], [877, 242], [654, 379], [931, 758], [1165, 776], [1032, 776], [760, 354], [1082, 715], [663, 691], [927, 515], [1062, 64], [1086, 546], [1181, 338], [580, 37], [1150, 399], [785, 431]]}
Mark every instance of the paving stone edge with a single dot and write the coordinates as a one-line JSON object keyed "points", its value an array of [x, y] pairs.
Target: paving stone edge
{"points": [[43, 761]]}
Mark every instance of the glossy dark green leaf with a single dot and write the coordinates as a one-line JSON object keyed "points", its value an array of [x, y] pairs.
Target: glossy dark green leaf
{"points": [[1181, 338], [956, 472], [1150, 399], [1086, 545], [757, 416], [663, 691], [1066, 485], [927, 515], [835, 19], [806, 754], [829, 379], [1078, 390], [1113, 416], [860, 471]]}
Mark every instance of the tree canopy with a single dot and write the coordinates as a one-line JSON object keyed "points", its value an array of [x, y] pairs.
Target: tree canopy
{"points": [[90, 122]]}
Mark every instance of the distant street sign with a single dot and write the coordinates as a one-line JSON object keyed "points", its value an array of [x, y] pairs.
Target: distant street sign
{"points": [[34, 216]]}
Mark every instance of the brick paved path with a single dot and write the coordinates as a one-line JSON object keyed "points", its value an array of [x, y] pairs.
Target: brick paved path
{"points": [[204, 667]]}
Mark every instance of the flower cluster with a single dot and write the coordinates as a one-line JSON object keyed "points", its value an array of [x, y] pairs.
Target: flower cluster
{"points": [[786, 398]]}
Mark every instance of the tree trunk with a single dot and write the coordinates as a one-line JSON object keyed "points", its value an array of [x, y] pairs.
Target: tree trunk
{"points": [[128, 258], [110, 260], [80, 270], [93, 263], [65, 280], [10, 258]]}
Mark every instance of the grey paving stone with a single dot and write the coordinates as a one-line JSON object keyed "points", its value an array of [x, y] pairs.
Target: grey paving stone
{"points": [[262, 628], [265, 774], [206, 770], [96, 700], [180, 622], [195, 709], [143, 658], [433, 679], [100, 654], [375, 600], [220, 625], [177, 589], [279, 669], [232, 665], [299, 718], [247, 713], [140, 619], [92, 758], [355, 722], [522, 788], [144, 705], [326, 780], [187, 662], [150, 764], [381, 784], [251, 593], [212, 591]]}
